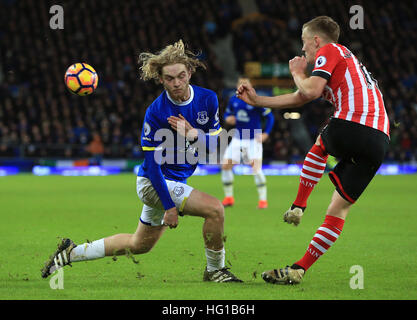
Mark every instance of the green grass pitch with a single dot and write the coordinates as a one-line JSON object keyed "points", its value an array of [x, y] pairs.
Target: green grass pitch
{"points": [[379, 235]]}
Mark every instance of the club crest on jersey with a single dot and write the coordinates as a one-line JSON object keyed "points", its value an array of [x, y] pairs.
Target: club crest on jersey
{"points": [[320, 61], [202, 117]]}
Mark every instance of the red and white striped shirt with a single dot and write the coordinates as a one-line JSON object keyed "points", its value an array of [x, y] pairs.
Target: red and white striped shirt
{"points": [[350, 87]]}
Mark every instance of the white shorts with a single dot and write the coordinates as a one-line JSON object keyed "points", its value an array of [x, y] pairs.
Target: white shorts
{"points": [[153, 211], [243, 149]]}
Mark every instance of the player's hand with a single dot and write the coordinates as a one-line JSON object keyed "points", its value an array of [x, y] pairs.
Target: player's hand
{"points": [[262, 137], [171, 218], [230, 120], [247, 93], [298, 65], [183, 127]]}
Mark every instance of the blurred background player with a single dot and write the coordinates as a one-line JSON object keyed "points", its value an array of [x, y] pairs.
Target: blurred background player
{"points": [[96, 148], [162, 186], [357, 134], [246, 145]]}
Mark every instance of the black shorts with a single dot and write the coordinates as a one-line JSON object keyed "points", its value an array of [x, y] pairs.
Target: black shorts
{"points": [[361, 150]]}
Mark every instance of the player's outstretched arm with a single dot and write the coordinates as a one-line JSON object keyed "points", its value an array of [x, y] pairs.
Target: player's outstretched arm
{"points": [[290, 100], [309, 89]]}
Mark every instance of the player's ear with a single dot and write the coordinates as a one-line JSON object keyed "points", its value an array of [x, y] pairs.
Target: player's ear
{"points": [[317, 41]]}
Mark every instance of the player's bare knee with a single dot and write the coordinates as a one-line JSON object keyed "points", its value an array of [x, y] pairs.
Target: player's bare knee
{"points": [[338, 207], [140, 248], [217, 212], [140, 245], [318, 141]]}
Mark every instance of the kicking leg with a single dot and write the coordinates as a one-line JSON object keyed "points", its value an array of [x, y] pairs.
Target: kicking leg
{"points": [[323, 239], [328, 232], [311, 173]]}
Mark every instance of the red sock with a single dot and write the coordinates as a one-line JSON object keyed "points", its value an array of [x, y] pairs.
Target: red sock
{"points": [[325, 236], [313, 169]]}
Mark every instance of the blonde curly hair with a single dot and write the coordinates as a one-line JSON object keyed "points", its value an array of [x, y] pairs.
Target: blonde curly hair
{"points": [[152, 64]]}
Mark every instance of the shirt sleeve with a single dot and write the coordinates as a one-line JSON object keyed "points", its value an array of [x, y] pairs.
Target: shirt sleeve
{"points": [[158, 181], [148, 131], [327, 59], [214, 122], [154, 169]]}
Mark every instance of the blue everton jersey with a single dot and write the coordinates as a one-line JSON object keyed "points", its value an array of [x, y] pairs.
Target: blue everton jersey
{"points": [[201, 110], [248, 117]]}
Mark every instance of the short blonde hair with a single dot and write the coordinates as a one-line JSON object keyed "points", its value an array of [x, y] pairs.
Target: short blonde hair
{"points": [[152, 64], [325, 26]]}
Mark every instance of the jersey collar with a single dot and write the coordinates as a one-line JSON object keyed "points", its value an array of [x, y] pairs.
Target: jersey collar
{"points": [[185, 102]]}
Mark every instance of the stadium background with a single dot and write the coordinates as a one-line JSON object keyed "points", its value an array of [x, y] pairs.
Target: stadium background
{"points": [[40, 119]]}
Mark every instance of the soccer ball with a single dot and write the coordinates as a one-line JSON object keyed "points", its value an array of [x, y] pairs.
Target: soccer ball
{"points": [[81, 79]]}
